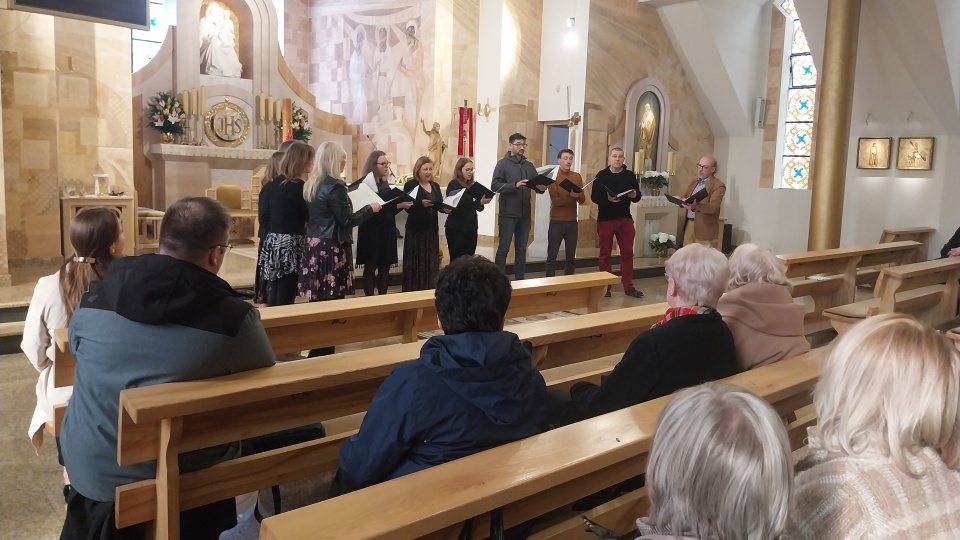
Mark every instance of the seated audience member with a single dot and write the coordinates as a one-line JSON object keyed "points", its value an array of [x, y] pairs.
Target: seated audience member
{"points": [[154, 319], [767, 325], [952, 247], [97, 239], [472, 388], [719, 468], [690, 345], [883, 460]]}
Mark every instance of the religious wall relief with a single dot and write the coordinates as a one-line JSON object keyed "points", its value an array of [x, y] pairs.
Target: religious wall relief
{"points": [[219, 41], [371, 68]]}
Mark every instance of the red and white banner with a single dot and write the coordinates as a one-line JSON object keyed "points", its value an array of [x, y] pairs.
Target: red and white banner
{"points": [[466, 133]]}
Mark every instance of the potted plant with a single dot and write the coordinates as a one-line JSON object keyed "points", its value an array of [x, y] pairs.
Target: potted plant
{"points": [[165, 114], [656, 180], [661, 243], [301, 131]]}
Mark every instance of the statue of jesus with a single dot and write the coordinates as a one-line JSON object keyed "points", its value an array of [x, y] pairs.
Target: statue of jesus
{"points": [[436, 147]]}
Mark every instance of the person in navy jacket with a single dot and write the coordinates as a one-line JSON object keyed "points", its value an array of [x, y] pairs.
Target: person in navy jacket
{"points": [[473, 388]]}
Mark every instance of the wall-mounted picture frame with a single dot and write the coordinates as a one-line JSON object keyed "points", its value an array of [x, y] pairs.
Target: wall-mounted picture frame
{"points": [[874, 153], [915, 153]]}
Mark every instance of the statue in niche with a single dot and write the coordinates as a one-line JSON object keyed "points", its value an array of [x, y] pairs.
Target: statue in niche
{"points": [[357, 72], [648, 130], [218, 42], [647, 122], [436, 147]]}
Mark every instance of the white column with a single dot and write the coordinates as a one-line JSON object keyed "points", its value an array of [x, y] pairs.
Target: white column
{"points": [[487, 142]]}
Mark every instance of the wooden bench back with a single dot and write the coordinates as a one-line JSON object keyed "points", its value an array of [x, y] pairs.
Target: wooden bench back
{"points": [[918, 234], [314, 325], [915, 276], [293, 394], [527, 478], [831, 276]]}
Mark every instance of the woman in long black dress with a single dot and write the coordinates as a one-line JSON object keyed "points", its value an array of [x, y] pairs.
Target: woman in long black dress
{"points": [[376, 237], [283, 245], [421, 243], [461, 227]]}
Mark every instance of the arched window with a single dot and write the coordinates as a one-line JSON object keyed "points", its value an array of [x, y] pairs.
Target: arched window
{"points": [[798, 97], [144, 44]]}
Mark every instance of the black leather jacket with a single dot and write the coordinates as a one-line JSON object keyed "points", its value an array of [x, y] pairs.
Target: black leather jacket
{"points": [[331, 212]]}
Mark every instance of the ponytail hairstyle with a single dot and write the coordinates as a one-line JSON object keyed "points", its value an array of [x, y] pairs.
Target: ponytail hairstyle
{"points": [[92, 232]]}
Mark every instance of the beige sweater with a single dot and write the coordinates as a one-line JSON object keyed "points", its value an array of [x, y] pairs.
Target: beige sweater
{"points": [[766, 324], [840, 497]]}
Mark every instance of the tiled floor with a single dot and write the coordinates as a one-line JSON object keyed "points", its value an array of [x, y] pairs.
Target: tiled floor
{"points": [[31, 504]]}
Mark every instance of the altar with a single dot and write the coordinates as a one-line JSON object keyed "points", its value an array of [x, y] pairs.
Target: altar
{"points": [[652, 215]]}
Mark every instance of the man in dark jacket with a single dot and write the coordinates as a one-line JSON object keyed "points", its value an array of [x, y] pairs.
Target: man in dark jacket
{"points": [[154, 319], [690, 345], [510, 177], [614, 189], [472, 389]]}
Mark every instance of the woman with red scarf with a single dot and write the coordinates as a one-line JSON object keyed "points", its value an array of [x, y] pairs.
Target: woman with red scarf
{"points": [[690, 345]]}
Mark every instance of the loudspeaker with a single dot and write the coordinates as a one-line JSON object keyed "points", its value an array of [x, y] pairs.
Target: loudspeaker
{"points": [[759, 110], [725, 247]]}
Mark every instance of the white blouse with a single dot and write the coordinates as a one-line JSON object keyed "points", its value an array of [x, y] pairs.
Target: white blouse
{"points": [[45, 315]]}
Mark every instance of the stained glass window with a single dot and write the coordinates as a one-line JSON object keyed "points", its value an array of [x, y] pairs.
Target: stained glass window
{"points": [[144, 44], [799, 100]]}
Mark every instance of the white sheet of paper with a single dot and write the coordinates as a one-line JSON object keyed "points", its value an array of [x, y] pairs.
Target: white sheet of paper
{"points": [[362, 196], [549, 170], [454, 199], [370, 181], [413, 192]]}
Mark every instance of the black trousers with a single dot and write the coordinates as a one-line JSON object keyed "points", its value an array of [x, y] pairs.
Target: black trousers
{"points": [[461, 243], [566, 232], [88, 519]]}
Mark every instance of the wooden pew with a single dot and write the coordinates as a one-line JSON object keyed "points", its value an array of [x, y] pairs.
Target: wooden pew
{"points": [[314, 325], [831, 276], [927, 290], [917, 234], [527, 478], [954, 335], [337, 387]]}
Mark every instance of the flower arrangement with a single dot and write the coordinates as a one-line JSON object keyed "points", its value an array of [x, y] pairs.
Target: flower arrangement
{"points": [[656, 179], [301, 131], [661, 242], [165, 114]]}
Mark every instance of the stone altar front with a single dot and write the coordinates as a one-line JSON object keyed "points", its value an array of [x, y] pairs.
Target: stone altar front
{"points": [[652, 215]]}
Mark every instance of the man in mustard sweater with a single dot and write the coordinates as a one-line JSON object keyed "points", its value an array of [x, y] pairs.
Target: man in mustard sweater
{"points": [[563, 215]]}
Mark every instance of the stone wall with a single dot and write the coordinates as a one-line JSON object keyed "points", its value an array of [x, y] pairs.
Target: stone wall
{"points": [[66, 108]]}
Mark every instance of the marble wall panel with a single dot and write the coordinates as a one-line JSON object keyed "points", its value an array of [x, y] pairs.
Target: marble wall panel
{"points": [[520, 77], [627, 43], [66, 108]]}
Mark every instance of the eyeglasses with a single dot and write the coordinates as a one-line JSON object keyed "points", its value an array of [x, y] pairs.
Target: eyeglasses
{"points": [[700, 165], [519, 144], [225, 247], [385, 164]]}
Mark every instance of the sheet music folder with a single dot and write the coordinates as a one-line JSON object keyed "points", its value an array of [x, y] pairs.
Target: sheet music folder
{"points": [[696, 197], [570, 186]]}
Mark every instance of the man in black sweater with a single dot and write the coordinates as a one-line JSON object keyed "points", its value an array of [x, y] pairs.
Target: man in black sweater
{"points": [[614, 189], [690, 345]]}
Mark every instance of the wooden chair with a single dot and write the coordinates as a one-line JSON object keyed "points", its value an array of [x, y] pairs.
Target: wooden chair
{"points": [[238, 204], [148, 229], [927, 290], [531, 477]]}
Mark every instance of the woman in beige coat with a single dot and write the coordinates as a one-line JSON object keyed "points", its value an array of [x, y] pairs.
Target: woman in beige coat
{"points": [[767, 325]]}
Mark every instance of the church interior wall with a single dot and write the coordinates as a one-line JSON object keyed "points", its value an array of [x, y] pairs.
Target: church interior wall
{"points": [[66, 110], [627, 43], [520, 76]]}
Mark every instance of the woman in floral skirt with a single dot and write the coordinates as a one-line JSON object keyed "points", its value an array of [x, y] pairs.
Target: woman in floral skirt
{"points": [[327, 269]]}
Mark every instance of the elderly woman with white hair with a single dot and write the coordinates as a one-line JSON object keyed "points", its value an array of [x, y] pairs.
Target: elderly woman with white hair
{"points": [[719, 468], [689, 345], [884, 457], [766, 323]]}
